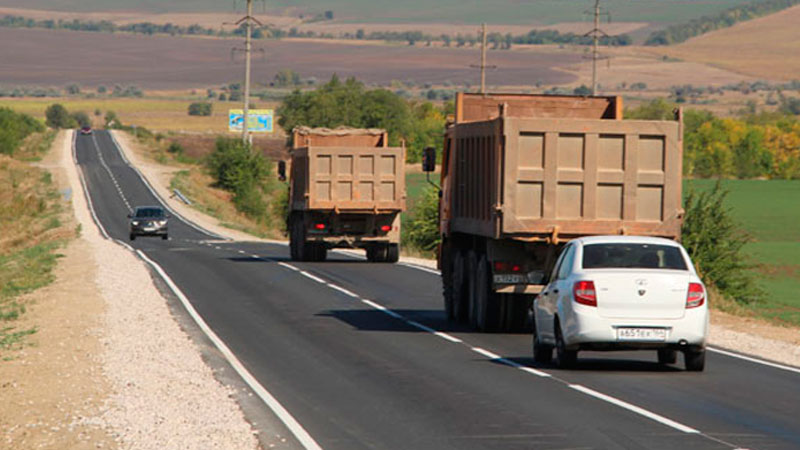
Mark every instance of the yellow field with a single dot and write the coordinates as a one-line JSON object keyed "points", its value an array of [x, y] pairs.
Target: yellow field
{"points": [[155, 114], [765, 48]]}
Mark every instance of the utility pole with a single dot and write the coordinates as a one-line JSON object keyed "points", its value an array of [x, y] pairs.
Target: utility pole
{"points": [[483, 65], [596, 34], [248, 49]]}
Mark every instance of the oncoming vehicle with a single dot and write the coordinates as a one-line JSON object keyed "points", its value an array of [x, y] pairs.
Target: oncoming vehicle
{"points": [[149, 221], [86, 130], [622, 293]]}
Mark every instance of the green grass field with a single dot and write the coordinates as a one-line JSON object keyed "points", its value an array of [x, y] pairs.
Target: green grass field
{"points": [[769, 211], [419, 11]]}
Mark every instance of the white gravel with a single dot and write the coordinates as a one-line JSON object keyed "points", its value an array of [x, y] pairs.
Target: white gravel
{"points": [[164, 395]]}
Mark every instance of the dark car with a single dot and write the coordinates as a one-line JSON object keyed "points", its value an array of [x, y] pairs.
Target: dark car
{"points": [[86, 130], [149, 221]]}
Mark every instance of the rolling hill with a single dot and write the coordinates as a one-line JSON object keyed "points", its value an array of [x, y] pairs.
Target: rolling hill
{"points": [[529, 12]]}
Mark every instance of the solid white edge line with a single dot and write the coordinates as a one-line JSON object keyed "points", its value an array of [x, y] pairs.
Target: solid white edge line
{"points": [[291, 423], [85, 187], [382, 309], [448, 337], [633, 408], [754, 360]]}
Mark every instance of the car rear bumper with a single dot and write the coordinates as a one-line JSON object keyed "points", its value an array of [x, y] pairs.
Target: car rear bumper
{"points": [[587, 330]]}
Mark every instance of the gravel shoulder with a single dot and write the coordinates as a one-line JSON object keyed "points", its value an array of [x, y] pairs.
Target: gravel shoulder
{"points": [[110, 367], [739, 334]]}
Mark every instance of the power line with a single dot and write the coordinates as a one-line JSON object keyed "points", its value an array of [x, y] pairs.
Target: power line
{"points": [[483, 65], [596, 33]]}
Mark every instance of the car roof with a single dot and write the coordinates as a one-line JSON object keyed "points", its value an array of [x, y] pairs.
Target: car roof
{"points": [[148, 207], [613, 239]]}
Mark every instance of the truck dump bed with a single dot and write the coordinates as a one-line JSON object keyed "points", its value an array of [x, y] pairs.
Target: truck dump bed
{"points": [[346, 170], [525, 175]]}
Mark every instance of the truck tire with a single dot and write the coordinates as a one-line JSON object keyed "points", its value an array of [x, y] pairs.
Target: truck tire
{"points": [[459, 293], [293, 254], [376, 253], [319, 252], [470, 272], [487, 301], [392, 253]]}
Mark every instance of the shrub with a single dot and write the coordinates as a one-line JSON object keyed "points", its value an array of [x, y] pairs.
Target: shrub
{"points": [[175, 148], [58, 117], [423, 228], [715, 243], [81, 118], [14, 128], [200, 109]]}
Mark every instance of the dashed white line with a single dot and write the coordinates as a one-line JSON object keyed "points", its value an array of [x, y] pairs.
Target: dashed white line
{"points": [[633, 408], [313, 277], [343, 290]]}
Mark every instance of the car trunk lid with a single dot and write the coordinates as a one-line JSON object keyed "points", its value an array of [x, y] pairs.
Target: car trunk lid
{"points": [[641, 294]]}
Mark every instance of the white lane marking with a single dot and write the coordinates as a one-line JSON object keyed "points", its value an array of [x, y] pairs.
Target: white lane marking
{"points": [[382, 309], [343, 290], [242, 252], [754, 360], [255, 256], [313, 277], [110, 174], [86, 188], [633, 408], [289, 266], [533, 371], [419, 267], [486, 353], [291, 423]]}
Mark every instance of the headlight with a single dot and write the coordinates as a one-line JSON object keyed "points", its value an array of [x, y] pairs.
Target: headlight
{"points": [[135, 223], [161, 223]]}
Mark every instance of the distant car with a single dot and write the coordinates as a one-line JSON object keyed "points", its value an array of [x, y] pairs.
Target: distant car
{"points": [[86, 130], [622, 293], [149, 221]]}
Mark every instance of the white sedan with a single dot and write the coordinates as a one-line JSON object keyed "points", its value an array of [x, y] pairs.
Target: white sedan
{"points": [[622, 293]]}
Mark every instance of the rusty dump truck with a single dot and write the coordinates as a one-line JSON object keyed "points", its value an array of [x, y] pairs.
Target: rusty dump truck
{"points": [[523, 174], [347, 190]]}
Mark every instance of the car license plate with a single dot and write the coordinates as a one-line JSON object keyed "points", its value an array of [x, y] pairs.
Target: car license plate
{"points": [[642, 334], [510, 279]]}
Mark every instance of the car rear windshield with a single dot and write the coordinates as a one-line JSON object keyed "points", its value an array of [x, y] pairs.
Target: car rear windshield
{"points": [[149, 212], [632, 256]]}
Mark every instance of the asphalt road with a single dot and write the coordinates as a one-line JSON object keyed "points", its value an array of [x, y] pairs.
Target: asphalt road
{"points": [[362, 356]]}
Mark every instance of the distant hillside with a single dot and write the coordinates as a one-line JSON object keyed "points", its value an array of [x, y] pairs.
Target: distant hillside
{"points": [[539, 12], [766, 47]]}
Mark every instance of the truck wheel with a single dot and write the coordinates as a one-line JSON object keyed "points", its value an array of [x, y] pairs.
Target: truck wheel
{"points": [[293, 240], [392, 253], [376, 253], [320, 252], [487, 301], [459, 293], [566, 358], [695, 360], [470, 272]]}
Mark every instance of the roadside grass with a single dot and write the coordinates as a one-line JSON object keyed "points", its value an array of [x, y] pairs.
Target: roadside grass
{"points": [[156, 114], [34, 225], [768, 212]]}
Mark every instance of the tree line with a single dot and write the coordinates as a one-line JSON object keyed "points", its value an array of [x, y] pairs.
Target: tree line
{"points": [[676, 34]]}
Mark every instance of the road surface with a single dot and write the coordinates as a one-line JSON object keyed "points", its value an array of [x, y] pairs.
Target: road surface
{"points": [[362, 357]]}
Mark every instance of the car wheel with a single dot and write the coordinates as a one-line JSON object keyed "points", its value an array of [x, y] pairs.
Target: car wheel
{"points": [[164, 237], [667, 356], [695, 360], [133, 237], [566, 358], [542, 353]]}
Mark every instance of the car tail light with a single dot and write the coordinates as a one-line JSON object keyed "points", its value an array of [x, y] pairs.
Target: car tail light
{"points": [[319, 226], [584, 293], [507, 267], [386, 228], [696, 296]]}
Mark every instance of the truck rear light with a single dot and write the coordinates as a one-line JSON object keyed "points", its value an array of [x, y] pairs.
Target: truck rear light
{"points": [[319, 226], [584, 293], [386, 228], [507, 267], [696, 296]]}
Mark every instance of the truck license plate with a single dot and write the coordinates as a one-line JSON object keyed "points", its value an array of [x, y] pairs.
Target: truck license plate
{"points": [[642, 334], [510, 279]]}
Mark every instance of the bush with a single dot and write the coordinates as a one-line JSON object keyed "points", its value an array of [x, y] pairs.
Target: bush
{"points": [[81, 118], [715, 243], [422, 231], [58, 117], [200, 109], [175, 148], [14, 128]]}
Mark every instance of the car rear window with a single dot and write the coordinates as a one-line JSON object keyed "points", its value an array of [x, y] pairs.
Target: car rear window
{"points": [[632, 256], [149, 212]]}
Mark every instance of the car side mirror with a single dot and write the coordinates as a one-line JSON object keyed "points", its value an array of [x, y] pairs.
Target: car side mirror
{"points": [[130, 216], [429, 160], [282, 170]]}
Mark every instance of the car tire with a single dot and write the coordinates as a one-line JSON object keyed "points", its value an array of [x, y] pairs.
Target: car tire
{"points": [[566, 358], [133, 237], [164, 237], [542, 353], [667, 356], [695, 360]]}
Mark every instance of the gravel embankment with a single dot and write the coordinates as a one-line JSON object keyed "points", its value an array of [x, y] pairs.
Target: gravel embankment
{"points": [[163, 394]]}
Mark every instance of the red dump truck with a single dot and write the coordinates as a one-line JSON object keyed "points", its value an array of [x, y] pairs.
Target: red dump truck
{"points": [[347, 190], [523, 174]]}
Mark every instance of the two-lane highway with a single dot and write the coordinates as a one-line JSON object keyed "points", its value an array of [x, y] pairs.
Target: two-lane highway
{"points": [[361, 355]]}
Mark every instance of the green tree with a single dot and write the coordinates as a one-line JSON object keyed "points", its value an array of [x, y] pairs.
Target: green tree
{"points": [[423, 228], [58, 117], [81, 119], [14, 128], [200, 109]]}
